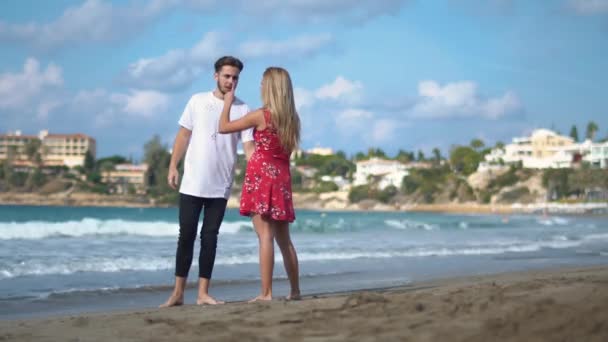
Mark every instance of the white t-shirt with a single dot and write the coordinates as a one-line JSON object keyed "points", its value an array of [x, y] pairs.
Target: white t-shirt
{"points": [[210, 157]]}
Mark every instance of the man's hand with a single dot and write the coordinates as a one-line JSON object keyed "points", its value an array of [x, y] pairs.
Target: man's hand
{"points": [[173, 177]]}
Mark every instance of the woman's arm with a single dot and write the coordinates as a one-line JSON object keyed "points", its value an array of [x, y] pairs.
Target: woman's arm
{"points": [[251, 119]]}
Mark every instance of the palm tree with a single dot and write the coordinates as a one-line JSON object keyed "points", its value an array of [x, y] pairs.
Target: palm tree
{"points": [[32, 150], [592, 128], [477, 144], [437, 155], [574, 133]]}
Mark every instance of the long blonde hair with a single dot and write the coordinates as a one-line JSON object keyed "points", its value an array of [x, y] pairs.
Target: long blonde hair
{"points": [[277, 96]]}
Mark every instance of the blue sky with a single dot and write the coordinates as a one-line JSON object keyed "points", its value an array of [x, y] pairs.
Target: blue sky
{"points": [[390, 74]]}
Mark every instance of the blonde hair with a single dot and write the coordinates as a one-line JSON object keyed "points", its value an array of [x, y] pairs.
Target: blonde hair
{"points": [[277, 96]]}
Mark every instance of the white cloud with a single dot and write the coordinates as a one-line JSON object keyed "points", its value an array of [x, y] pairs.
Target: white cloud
{"points": [[589, 6], [460, 99], [105, 21], [300, 46], [145, 103], [175, 69], [353, 114], [353, 121], [91, 21], [109, 108], [340, 88], [323, 10], [384, 130], [32, 90]]}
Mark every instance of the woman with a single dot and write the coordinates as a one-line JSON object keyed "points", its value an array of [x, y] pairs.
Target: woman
{"points": [[266, 195]]}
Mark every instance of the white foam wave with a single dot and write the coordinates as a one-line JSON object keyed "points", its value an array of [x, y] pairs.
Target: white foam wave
{"points": [[409, 224], [42, 267], [553, 221], [33, 230]]}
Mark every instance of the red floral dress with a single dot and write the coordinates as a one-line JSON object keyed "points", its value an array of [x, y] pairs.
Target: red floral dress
{"points": [[267, 184]]}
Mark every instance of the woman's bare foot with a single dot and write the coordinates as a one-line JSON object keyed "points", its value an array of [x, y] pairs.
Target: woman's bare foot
{"points": [[174, 300], [260, 298], [294, 296], [208, 300]]}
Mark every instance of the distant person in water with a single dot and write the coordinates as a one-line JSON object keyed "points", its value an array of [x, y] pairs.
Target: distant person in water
{"points": [[267, 195], [208, 175]]}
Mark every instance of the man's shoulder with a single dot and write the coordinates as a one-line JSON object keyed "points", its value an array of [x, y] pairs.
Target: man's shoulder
{"points": [[201, 96]]}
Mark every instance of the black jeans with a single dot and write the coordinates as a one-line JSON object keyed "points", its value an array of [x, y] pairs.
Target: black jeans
{"points": [[189, 213]]}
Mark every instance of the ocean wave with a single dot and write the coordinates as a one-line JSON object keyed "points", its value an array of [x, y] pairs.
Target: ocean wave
{"points": [[34, 230], [56, 266], [410, 224]]}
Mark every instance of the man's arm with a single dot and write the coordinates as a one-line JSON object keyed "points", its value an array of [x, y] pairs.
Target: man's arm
{"points": [[249, 147], [182, 139]]}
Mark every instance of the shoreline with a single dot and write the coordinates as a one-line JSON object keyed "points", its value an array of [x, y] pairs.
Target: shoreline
{"points": [[328, 202], [541, 305]]}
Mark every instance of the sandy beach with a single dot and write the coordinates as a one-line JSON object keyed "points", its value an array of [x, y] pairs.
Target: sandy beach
{"points": [[550, 305]]}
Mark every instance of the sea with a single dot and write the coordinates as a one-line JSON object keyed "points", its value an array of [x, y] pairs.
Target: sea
{"points": [[71, 260]]}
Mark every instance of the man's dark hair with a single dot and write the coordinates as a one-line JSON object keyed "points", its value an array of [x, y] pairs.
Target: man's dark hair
{"points": [[228, 60]]}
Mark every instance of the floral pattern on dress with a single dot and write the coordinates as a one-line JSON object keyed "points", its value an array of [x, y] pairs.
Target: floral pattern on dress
{"points": [[267, 184]]}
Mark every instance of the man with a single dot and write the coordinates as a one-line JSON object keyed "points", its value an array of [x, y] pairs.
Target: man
{"points": [[208, 175]]}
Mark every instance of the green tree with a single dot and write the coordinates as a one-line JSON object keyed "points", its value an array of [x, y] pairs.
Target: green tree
{"points": [[8, 166], [464, 159], [436, 156], [592, 128], [33, 151], [420, 156], [405, 156], [157, 157], [376, 152], [574, 133], [477, 144], [113, 160], [89, 162], [500, 145]]}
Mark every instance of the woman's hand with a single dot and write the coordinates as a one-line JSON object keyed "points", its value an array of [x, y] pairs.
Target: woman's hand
{"points": [[229, 96]]}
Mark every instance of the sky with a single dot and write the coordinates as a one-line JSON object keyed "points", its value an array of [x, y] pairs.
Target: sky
{"points": [[388, 74]]}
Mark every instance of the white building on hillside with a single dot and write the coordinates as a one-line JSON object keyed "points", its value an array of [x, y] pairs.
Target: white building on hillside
{"points": [[389, 172], [55, 149], [547, 149], [322, 151], [543, 149], [598, 155]]}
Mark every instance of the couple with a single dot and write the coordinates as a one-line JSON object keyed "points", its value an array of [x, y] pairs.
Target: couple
{"points": [[209, 131]]}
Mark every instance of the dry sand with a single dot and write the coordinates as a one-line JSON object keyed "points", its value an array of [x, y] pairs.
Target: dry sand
{"points": [[551, 305]]}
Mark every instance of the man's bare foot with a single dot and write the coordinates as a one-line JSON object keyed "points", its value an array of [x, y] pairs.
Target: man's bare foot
{"points": [[294, 296], [208, 300], [174, 300], [260, 298]]}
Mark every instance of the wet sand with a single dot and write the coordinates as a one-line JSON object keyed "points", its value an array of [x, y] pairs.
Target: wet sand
{"points": [[550, 305]]}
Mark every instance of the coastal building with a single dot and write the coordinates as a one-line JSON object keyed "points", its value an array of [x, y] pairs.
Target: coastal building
{"points": [[13, 145], [54, 149], [386, 172], [340, 181], [125, 178], [542, 149], [322, 151], [547, 149], [598, 155], [67, 149]]}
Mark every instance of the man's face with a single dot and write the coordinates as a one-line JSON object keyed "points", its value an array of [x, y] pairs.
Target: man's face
{"points": [[227, 78]]}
